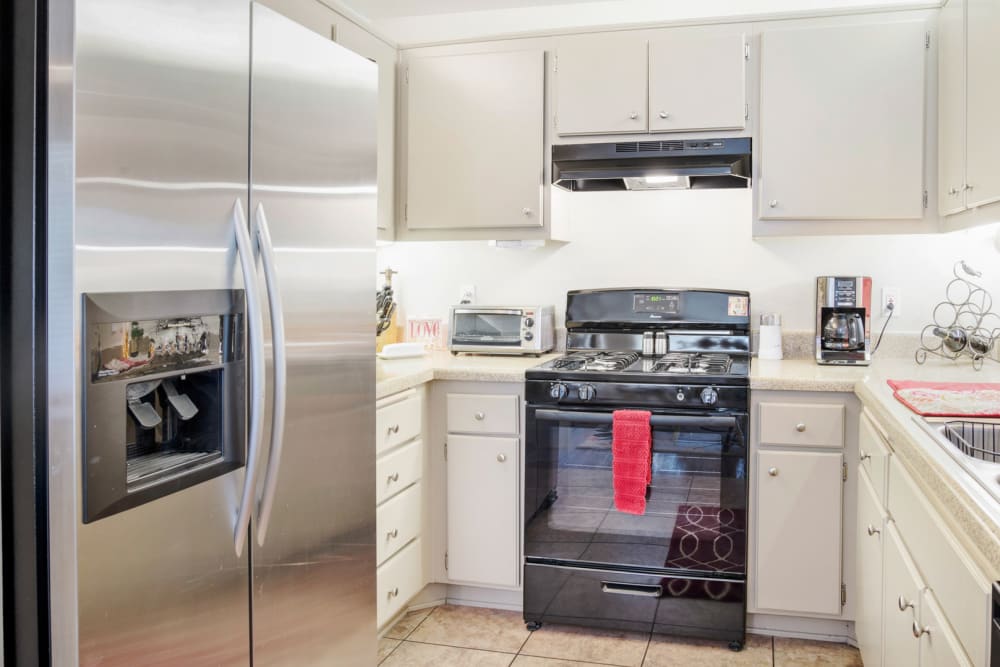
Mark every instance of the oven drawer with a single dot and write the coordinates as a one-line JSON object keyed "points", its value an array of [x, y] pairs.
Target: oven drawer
{"points": [[802, 424], [482, 413], [622, 600]]}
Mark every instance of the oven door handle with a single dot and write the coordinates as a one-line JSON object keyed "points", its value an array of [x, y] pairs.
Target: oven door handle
{"points": [[681, 421]]}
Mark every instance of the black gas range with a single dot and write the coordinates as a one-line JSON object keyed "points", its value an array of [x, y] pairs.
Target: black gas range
{"points": [[680, 567]]}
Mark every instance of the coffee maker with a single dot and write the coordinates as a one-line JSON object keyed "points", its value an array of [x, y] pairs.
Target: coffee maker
{"points": [[843, 320]]}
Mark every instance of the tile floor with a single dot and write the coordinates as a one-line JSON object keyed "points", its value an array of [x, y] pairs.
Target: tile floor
{"points": [[474, 637]]}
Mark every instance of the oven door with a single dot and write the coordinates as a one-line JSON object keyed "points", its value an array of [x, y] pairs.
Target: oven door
{"points": [[694, 524], [499, 327]]}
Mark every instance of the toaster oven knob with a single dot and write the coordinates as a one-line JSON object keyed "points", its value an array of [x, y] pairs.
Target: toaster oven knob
{"points": [[558, 390], [587, 392], [709, 396], [529, 322], [528, 335]]}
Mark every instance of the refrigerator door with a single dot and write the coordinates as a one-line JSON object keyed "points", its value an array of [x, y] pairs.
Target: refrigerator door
{"points": [[313, 163], [161, 156]]}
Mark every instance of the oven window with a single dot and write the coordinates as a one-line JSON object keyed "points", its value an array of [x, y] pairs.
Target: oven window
{"points": [[695, 516], [487, 328]]}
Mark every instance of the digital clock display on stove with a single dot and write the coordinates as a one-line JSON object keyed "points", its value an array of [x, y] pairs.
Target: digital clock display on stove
{"points": [[665, 304]]}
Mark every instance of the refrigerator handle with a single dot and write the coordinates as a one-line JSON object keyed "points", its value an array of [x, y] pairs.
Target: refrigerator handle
{"points": [[255, 351], [280, 385]]}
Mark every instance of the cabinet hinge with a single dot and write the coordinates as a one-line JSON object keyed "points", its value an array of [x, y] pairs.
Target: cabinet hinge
{"points": [[555, 63], [746, 50], [927, 39], [844, 468], [445, 450], [746, 111], [925, 199], [406, 212], [406, 75], [446, 560], [843, 594], [555, 122]]}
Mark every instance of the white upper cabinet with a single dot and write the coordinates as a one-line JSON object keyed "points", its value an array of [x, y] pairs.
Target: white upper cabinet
{"points": [[697, 79], [474, 141], [842, 123], [951, 108], [983, 133], [601, 85]]}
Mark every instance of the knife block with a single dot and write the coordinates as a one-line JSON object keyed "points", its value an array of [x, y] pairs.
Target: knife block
{"points": [[390, 335]]}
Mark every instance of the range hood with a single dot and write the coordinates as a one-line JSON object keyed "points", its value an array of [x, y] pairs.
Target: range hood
{"points": [[653, 165]]}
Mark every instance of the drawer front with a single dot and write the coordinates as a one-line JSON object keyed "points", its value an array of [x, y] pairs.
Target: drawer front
{"points": [[397, 470], [397, 522], [802, 424], [397, 422], [963, 593], [874, 455], [478, 413], [399, 579]]}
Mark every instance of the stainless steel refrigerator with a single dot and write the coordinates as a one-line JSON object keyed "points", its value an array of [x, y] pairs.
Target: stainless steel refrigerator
{"points": [[211, 204]]}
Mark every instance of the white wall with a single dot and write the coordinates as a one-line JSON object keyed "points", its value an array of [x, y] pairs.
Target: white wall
{"points": [[697, 238]]}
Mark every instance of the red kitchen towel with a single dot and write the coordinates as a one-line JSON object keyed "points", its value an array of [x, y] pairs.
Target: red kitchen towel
{"points": [[948, 399], [631, 464]]}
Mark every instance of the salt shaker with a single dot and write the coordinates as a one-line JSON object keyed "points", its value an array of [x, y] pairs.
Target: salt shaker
{"points": [[769, 346]]}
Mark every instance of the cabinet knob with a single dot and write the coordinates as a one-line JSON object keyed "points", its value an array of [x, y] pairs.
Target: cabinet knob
{"points": [[394, 592], [526, 211], [953, 191], [480, 416], [968, 186], [634, 115], [920, 631], [392, 534], [664, 114], [394, 429], [773, 472], [394, 477], [773, 203], [800, 427], [864, 456], [872, 530], [501, 457], [903, 603]]}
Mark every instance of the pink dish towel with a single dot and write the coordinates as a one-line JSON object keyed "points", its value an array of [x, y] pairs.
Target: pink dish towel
{"points": [[948, 399], [631, 465]]}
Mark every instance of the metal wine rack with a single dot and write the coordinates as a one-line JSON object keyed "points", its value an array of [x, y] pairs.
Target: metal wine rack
{"points": [[964, 325]]}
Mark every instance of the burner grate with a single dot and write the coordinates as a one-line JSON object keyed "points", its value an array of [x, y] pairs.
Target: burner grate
{"points": [[596, 361], [691, 364]]}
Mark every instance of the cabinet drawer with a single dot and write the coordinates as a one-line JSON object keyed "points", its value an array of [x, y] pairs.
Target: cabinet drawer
{"points": [[478, 413], [963, 593], [397, 522], [802, 424], [399, 579], [396, 422], [397, 470], [873, 454]]}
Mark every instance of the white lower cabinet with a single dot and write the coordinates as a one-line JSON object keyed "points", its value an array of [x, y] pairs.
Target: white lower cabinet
{"points": [[799, 516], [399, 579], [868, 595], [901, 596], [483, 515], [939, 647]]}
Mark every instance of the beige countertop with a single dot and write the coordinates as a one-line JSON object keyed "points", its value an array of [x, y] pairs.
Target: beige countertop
{"points": [[395, 375]]}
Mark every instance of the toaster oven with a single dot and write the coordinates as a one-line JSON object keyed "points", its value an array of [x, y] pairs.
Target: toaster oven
{"points": [[501, 329]]}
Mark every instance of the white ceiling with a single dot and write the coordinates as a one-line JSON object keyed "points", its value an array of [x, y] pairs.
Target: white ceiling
{"points": [[412, 22]]}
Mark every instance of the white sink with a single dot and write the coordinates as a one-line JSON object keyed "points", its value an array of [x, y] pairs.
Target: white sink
{"points": [[973, 443]]}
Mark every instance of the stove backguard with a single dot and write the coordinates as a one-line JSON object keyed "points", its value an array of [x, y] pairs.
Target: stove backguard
{"points": [[164, 394]]}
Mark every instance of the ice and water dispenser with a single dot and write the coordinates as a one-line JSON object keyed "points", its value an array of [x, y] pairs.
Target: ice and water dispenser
{"points": [[164, 394]]}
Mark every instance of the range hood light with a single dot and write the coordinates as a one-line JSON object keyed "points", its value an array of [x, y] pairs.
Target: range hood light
{"points": [[661, 180]]}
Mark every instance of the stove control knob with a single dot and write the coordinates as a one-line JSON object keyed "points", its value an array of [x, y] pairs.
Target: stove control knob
{"points": [[680, 395], [587, 392], [558, 390], [709, 396]]}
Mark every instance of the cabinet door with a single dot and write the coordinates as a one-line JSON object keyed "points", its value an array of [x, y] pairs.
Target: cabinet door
{"points": [[799, 524], [707, 97], [842, 123], [939, 647], [868, 569], [483, 498], [983, 102], [900, 598], [601, 85], [951, 108], [474, 143]]}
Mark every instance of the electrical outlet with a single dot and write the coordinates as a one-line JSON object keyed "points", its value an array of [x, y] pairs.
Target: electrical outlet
{"points": [[467, 294], [890, 295]]}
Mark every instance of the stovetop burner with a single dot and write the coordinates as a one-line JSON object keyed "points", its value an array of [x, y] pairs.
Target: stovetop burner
{"points": [[596, 361], [694, 363]]}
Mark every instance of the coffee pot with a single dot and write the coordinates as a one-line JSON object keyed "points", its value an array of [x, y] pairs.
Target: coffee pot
{"points": [[843, 320], [843, 331]]}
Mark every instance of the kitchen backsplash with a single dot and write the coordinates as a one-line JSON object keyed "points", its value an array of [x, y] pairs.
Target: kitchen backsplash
{"points": [[696, 238]]}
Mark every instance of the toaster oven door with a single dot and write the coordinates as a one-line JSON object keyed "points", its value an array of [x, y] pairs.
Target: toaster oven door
{"points": [[486, 327]]}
